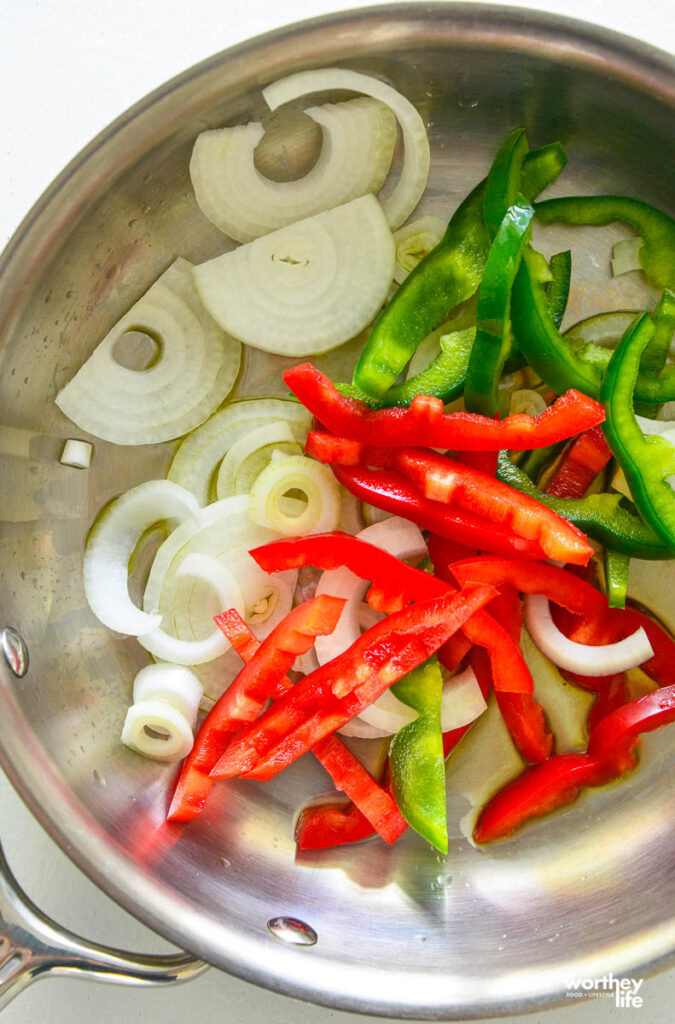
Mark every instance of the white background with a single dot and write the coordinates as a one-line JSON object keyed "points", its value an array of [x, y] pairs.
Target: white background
{"points": [[67, 68]]}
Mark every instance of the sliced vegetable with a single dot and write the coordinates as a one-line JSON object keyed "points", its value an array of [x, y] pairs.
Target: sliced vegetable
{"points": [[304, 288], [583, 659], [158, 730], [328, 698], [111, 542], [392, 492], [657, 229], [416, 756], [248, 456], [413, 242], [268, 498], [616, 577], [426, 423], [648, 463], [246, 696], [171, 683], [604, 517], [196, 461], [416, 156], [586, 457], [194, 369], [444, 480], [196, 652], [358, 145]]}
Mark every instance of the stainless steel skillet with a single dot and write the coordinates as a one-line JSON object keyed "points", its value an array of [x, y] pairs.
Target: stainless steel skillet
{"points": [[391, 938]]}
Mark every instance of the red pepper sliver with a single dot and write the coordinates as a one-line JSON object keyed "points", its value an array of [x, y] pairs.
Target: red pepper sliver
{"points": [[247, 695], [333, 694], [585, 458], [556, 584], [539, 789], [393, 493], [342, 765], [426, 423], [326, 825], [441, 479]]}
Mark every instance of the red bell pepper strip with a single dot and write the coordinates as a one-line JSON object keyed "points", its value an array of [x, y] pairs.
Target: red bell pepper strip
{"points": [[540, 788], [424, 422], [584, 459], [329, 824], [614, 738], [246, 643], [342, 765], [441, 479], [394, 578], [392, 493], [333, 694], [443, 553], [522, 714], [556, 584], [557, 781], [612, 693], [247, 695]]}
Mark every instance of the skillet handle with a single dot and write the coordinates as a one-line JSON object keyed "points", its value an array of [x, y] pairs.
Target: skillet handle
{"points": [[32, 946]]}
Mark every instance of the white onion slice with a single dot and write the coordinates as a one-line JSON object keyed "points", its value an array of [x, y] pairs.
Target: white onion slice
{"points": [[269, 507], [582, 658], [173, 740], [195, 369], [413, 242], [174, 684], [110, 545], [526, 401], [416, 156], [250, 454], [196, 652], [358, 145], [305, 288], [195, 464], [400, 538]]}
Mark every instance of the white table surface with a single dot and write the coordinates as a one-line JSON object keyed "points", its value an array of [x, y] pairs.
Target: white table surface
{"points": [[67, 68]]}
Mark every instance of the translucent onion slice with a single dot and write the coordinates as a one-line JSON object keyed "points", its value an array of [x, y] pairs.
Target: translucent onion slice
{"points": [[305, 288], [532, 403], [269, 506], [250, 454], [416, 156], [174, 684], [413, 242], [399, 538], [196, 652], [110, 545], [358, 145], [194, 371], [626, 256], [156, 729], [196, 462], [582, 658]]}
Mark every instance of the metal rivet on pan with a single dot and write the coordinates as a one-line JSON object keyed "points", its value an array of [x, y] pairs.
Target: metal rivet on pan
{"points": [[15, 651], [290, 930]]}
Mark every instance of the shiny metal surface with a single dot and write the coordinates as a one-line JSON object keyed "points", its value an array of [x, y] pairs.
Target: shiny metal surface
{"points": [[399, 931], [34, 947], [14, 651]]}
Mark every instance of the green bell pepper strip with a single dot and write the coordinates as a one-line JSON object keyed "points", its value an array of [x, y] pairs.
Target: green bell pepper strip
{"points": [[655, 355], [616, 577], [503, 183], [559, 363], [416, 756], [558, 290], [445, 377], [607, 518], [657, 255], [447, 276], [647, 462], [493, 343]]}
